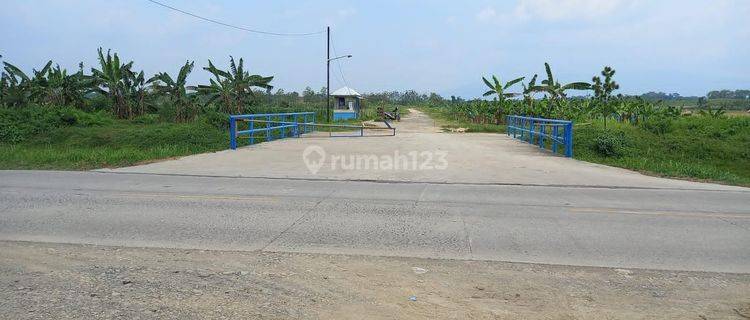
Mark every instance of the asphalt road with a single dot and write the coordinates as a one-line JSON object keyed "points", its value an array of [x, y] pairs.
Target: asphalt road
{"points": [[674, 229]]}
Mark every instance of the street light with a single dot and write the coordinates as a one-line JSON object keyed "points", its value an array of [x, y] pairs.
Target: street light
{"points": [[339, 57], [328, 72]]}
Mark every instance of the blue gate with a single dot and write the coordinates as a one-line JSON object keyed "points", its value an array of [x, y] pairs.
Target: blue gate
{"points": [[536, 130], [294, 124]]}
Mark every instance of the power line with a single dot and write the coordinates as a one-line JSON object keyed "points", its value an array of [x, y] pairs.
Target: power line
{"points": [[233, 26], [341, 71]]}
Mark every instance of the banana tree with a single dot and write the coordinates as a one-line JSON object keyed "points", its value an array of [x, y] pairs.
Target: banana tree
{"points": [[234, 86], [64, 89], [176, 90], [111, 81], [15, 86], [498, 88], [528, 91], [135, 91], [555, 90]]}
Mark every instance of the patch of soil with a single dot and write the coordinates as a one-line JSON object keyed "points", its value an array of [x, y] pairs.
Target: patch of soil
{"points": [[44, 281]]}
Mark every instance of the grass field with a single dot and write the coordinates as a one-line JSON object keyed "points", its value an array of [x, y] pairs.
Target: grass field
{"points": [[120, 144], [694, 148]]}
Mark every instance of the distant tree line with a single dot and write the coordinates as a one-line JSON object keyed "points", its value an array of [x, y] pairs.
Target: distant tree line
{"points": [[729, 94]]}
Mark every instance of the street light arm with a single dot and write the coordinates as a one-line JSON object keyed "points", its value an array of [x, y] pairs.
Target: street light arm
{"points": [[339, 57]]}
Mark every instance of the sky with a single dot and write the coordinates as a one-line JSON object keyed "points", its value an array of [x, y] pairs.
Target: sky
{"points": [[684, 46]]}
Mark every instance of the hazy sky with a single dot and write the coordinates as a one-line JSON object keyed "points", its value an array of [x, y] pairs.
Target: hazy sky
{"points": [[685, 46]]}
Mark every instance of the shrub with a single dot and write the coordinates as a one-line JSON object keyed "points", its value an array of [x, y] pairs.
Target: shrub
{"points": [[71, 116], [215, 119], [610, 144], [148, 118], [657, 125], [17, 125]]}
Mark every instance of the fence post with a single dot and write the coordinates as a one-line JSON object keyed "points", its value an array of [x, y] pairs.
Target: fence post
{"points": [[268, 128], [569, 139], [252, 126], [509, 125], [542, 130], [531, 131], [283, 129], [232, 133], [554, 138]]}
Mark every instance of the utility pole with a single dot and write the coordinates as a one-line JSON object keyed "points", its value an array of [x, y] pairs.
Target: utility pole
{"points": [[328, 74]]}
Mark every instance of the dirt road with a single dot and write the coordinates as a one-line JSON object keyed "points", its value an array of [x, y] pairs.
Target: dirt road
{"points": [[56, 281]]}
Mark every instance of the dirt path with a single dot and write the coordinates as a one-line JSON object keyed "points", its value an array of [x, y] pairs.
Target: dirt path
{"points": [[44, 281]]}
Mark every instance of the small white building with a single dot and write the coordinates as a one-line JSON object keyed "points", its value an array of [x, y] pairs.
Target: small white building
{"points": [[346, 103]]}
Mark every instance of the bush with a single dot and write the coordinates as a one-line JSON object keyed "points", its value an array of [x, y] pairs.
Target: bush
{"points": [[657, 125], [167, 110], [215, 119], [148, 118], [610, 144], [17, 125], [71, 116]]}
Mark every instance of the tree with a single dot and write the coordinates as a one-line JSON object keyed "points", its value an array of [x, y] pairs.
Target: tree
{"points": [[308, 95], [177, 90], [603, 91], [554, 89], [64, 89], [528, 91], [498, 88], [701, 102], [233, 87], [15, 86], [113, 81]]}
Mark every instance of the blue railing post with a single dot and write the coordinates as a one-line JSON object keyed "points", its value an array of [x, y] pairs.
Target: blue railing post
{"points": [[509, 126], [268, 128], [569, 139], [542, 130], [251, 127], [554, 139], [232, 133], [531, 131]]}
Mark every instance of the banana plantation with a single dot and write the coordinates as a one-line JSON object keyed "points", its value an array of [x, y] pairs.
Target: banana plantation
{"points": [[549, 98], [116, 85]]}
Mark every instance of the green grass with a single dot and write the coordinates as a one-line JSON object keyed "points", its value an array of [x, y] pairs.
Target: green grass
{"points": [[122, 143], [696, 148]]}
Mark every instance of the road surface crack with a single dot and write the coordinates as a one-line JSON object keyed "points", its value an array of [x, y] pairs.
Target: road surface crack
{"points": [[468, 237], [297, 220]]}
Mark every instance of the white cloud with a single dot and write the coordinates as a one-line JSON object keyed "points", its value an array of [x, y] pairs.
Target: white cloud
{"points": [[343, 13], [569, 9], [486, 14]]}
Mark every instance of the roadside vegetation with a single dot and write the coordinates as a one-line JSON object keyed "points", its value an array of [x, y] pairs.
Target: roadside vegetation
{"points": [[113, 114], [709, 141]]}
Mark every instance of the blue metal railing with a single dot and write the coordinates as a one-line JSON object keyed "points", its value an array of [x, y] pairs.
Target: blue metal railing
{"points": [[284, 124], [536, 130]]}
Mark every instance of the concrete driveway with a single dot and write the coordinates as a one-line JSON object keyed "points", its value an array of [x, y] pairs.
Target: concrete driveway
{"points": [[470, 158]]}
